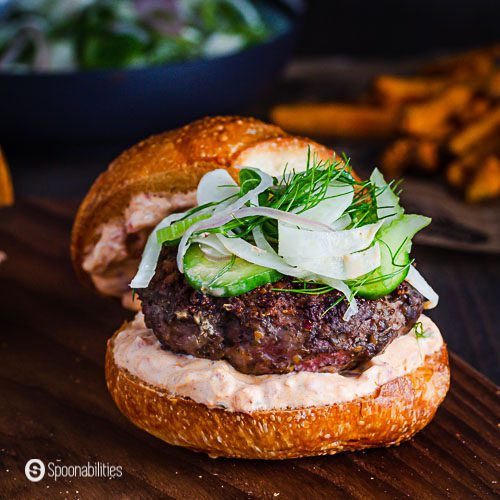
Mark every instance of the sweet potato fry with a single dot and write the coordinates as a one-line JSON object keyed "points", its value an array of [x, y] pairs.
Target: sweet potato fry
{"points": [[459, 171], [475, 110], [6, 187], [489, 145], [467, 139], [450, 110], [394, 160], [396, 90], [431, 118], [492, 85], [466, 64], [407, 153], [485, 183], [334, 119]]}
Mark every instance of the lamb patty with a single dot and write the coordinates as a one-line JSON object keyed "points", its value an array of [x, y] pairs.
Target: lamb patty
{"points": [[266, 331]]}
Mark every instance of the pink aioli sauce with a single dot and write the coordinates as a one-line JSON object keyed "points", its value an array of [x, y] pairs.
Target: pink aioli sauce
{"points": [[218, 384], [144, 211]]}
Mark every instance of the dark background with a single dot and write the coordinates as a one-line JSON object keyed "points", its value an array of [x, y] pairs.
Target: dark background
{"points": [[387, 30], [398, 28]]}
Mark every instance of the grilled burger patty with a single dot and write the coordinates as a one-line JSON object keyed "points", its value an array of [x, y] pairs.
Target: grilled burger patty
{"points": [[266, 331]]}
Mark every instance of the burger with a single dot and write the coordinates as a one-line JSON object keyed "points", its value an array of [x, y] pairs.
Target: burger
{"points": [[279, 312]]}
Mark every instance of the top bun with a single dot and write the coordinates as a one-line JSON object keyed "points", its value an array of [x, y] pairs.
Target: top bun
{"points": [[175, 161]]}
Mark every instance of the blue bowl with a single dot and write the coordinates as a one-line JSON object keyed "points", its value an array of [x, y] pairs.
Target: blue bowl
{"points": [[109, 105]]}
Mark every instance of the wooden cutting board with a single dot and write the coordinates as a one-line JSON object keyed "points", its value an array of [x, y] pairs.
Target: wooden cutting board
{"points": [[54, 405]]}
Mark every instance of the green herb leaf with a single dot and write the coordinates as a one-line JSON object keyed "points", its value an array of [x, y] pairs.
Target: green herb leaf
{"points": [[419, 330], [249, 179]]}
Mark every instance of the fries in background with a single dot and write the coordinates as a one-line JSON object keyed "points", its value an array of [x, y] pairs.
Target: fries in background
{"points": [[396, 90], [341, 120], [409, 152], [485, 181], [445, 119], [432, 118], [6, 187], [475, 133]]}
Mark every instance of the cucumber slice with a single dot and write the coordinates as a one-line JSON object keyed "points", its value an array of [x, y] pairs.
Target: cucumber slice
{"points": [[225, 278], [171, 234], [395, 245]]}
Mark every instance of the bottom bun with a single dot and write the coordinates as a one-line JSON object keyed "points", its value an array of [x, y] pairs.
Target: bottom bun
{"points": [[392, 414]]}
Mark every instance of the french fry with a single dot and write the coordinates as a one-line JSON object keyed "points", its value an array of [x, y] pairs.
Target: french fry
{"points": [[467, 139], [396, 90], [427, 155], [6, 187], [460, 170], [334, 119], [476, 108], [488, 145], [408, 153], [467, 64], [492, 85], [431, 118], [450, 109], [485, 183], [456, 174], [394, 160]]}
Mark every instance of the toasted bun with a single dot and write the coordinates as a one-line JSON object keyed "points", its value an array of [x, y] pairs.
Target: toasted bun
{"points": [[175, 161], [398, 410]]}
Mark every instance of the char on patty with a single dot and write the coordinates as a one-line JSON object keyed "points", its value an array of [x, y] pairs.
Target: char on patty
{"points": [[266, 331]]}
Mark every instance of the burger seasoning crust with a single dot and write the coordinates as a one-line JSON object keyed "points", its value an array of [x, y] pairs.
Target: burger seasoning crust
{"points": [[267, 331]]}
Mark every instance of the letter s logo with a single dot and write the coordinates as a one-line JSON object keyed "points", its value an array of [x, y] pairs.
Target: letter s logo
{"points": [[34, 470]]}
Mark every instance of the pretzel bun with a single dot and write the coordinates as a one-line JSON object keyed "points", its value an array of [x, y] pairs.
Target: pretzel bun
{"points": [[392, 414], [170, 165], [175, 161]]}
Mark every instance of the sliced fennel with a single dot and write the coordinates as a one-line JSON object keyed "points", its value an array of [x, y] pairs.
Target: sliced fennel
{"points": [[211, 246], [266, 183], [304, 244], [346, 267], [216, 186], [259, 256], [388, 207], [418, 282], [338, 198], [261, 241], [253, 233], [341, 223], [151, 253]]}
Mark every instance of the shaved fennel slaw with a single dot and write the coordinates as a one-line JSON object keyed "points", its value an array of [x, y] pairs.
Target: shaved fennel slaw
{"points": [[319, 226]]}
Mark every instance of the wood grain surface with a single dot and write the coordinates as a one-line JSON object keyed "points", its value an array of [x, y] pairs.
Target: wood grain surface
{"points": [[54, 404]]}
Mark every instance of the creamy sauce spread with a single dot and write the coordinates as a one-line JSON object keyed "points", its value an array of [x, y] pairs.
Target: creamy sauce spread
{"points": [[218, 384], [109, 248], [144, 211]]}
